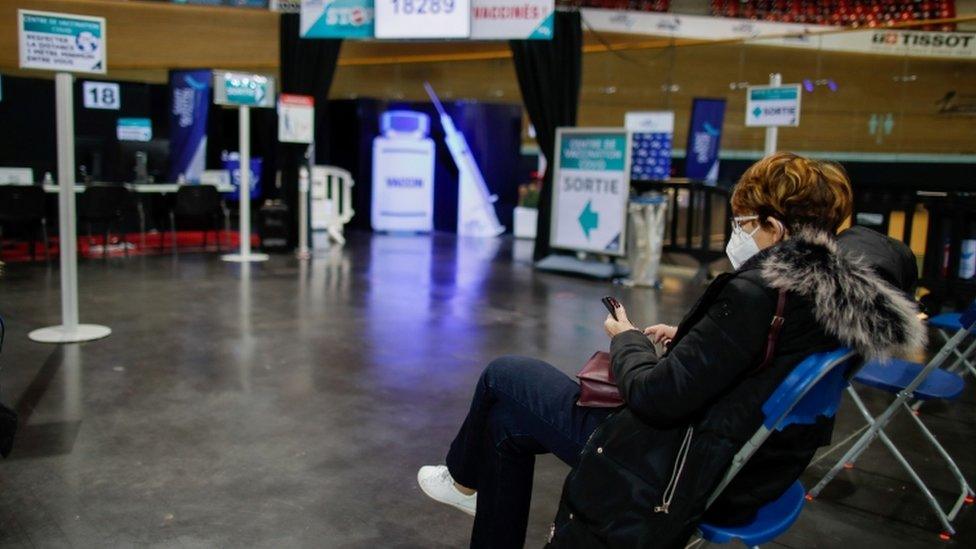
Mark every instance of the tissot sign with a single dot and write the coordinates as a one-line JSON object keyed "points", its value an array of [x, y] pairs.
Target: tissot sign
{"points": [[934, 40]]}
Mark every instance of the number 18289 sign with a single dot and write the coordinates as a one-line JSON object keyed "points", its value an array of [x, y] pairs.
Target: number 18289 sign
{"points": [[423, 18]]}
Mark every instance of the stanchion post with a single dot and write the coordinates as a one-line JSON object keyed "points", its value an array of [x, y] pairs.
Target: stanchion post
{"points": [[772, 132], [67, 235], [303, 183], [244, 188], [69, 331], [243, 90]]}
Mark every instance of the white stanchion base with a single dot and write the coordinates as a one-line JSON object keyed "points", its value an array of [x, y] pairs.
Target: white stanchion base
{"points": [[61, 334], [250, 258]]}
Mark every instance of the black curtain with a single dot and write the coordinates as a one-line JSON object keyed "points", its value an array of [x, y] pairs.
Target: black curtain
{"points": [[549, 74], [307, 68]]}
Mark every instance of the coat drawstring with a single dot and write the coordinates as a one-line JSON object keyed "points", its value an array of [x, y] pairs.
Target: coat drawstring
{"points": [[679, 466]]}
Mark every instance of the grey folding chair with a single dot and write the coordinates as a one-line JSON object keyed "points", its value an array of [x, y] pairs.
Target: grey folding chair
{"points": [[911, 382]]}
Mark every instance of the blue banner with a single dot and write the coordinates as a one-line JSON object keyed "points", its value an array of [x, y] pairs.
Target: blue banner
{"points": [[651, 157], [232, 163], [189, 107], [704, 137]]}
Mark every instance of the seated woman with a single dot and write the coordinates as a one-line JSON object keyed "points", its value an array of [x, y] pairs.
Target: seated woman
{"points": [[642, 474]]}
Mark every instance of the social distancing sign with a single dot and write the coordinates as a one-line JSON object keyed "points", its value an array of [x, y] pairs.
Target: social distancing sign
{"points": [[591, 186], [62, 42]]}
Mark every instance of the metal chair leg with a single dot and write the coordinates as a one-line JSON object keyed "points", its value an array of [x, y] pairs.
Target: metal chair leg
{"points": [[33, 244], [962, 358], [863, 408], [140, 209], [172, 232], [122, 237], [226, 212], [854, 451], [877, 430], [47, 245], [964, 487], [918, 481]]}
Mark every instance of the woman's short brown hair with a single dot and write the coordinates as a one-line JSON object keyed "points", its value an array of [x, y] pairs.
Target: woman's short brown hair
{"points": [[798, 191]]}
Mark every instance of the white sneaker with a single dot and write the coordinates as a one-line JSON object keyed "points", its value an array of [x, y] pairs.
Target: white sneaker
{"points": [[436, 482]]}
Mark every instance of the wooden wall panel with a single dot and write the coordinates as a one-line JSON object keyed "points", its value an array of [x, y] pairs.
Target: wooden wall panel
{"points": [[616, 82]]}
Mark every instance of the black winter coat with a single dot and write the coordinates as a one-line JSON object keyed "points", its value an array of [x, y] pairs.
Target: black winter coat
{"points": [[645, 474]]}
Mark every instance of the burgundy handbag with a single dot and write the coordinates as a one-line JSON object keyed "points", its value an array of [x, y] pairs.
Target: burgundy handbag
{"points": [[597, 386], [598, 389]]}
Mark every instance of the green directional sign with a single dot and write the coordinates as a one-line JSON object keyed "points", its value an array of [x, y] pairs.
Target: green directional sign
{"points": [[243, 89], [768, 106], [591, 186]]}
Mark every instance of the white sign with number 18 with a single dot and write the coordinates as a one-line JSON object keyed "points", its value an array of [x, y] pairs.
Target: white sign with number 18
{"points": [[102, 95]]}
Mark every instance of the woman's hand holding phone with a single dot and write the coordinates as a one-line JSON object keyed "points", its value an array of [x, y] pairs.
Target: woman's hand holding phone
{"points": [[616, 322]]}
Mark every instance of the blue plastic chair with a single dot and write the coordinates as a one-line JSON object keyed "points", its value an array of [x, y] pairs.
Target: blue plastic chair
{"points": [[911, 382], [895, 374], [812, 389]]}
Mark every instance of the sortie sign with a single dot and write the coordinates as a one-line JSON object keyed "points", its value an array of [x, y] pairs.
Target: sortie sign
{"points": [[591, 187]]}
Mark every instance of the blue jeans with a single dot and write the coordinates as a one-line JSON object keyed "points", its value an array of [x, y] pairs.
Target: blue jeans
{"points": [[521, 407]]}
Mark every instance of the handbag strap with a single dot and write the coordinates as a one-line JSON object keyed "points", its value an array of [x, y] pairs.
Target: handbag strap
{"points": [[775, 327]]}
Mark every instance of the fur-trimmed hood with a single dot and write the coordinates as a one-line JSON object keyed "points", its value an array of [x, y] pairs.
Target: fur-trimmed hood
{"points": [[850, 301]]}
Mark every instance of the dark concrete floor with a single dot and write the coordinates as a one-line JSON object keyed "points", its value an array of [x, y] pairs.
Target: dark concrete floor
{"points": [[290, 406]]}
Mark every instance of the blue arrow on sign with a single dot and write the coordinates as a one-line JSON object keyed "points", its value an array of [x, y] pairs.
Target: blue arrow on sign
{"points": [[588, 219]]}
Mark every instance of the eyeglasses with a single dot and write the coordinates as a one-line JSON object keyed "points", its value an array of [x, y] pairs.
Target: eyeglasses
{"points": [[737, 222]]}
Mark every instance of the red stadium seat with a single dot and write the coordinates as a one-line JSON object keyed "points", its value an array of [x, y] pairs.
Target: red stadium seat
{"points": [[853, 13]]}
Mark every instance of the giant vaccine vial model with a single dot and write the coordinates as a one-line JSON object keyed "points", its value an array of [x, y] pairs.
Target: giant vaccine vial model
{"points": [[403, 173]]}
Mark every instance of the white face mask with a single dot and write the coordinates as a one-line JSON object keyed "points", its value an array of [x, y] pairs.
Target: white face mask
{"points": [[742, 245]]}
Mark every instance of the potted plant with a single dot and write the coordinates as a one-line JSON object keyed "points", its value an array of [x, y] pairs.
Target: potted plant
{"points": [[527, 213]]}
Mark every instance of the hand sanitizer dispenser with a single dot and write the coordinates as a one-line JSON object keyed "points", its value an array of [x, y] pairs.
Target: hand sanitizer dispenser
{"points": [[403, 173]]}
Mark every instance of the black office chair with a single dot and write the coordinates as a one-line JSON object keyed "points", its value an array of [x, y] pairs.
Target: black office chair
{"points": [[107, 205], [24, 206], [198, 204]]}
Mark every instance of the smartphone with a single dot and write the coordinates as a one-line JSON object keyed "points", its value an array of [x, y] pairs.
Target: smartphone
{"points": [[611, 304]]}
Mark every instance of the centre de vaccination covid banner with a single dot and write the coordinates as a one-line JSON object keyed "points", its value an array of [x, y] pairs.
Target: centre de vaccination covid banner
{"points": [[189, 105], [477, 19], [591, 187]]}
